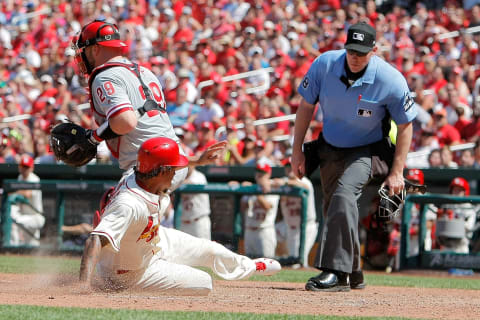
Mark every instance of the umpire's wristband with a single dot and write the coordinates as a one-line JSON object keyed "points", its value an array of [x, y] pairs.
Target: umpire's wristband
{"points": [[104, 132]]}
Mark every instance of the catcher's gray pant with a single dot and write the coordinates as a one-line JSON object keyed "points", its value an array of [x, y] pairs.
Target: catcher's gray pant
{"points": [[344, 173]]}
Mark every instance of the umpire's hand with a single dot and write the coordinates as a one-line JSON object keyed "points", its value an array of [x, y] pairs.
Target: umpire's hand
{"points": [[298, 163], [395, 183]]}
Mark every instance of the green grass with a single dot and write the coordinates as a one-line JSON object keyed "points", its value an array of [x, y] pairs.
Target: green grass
{"points": [[39, 264], [70, 265], [33, 313]]}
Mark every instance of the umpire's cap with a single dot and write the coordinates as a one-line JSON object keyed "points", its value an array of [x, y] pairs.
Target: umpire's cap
{"points": [[361, 37]]}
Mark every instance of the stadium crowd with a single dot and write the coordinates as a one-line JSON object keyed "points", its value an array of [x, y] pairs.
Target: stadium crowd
{"points": [[186, 43]]}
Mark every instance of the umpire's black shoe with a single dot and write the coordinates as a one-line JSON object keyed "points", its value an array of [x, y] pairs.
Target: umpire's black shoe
{"points": [[329, 282], [356, 280]]}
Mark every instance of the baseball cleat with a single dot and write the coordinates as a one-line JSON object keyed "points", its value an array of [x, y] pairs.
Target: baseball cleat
{"points": [[266, 266]]}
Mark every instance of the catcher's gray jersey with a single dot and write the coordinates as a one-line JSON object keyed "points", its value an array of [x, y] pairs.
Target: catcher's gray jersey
{"points": [[117, 89]]}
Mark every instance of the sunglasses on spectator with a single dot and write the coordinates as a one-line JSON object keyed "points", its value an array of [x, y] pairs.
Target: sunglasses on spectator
{"points": [[356, 53]]}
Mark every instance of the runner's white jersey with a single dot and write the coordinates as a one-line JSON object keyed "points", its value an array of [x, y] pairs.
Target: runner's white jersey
{"points": [[130, 222], [292, 206], [259, 217], [195, 204], [117, 89]]}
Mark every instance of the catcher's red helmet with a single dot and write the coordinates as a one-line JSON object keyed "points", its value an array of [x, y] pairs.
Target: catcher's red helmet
{"points": [[101, 33], [416, 175], [462, 183], [96, 32], [159, 152]]}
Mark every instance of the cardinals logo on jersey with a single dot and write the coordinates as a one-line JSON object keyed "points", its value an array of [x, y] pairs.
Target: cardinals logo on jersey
{"points": [[150, 231]]}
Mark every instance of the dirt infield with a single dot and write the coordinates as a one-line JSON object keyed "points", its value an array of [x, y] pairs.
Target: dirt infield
{"points": [[248, 296]]}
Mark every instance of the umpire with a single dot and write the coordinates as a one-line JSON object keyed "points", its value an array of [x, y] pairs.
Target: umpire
{"points": [[358, 93]]}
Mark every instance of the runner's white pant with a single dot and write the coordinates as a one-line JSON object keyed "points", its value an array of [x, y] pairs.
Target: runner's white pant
{"points": [[171, 267]]}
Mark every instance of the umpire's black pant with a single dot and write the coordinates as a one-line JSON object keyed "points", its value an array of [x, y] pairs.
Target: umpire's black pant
{"points": [[344, 173]]}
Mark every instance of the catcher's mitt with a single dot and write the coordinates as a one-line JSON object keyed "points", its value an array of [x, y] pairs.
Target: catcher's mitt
{"points": [[71, 144]]}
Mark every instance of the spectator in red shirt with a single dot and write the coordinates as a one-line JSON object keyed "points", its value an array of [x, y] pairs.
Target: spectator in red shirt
{"points": [[447, 134], [456, 78], [471, 131], [303, 63], [184, 32], [133, 16], [281, 127], [455, 101], [439, 80], [247, 154], [372, 13], [49, 91], [246, 109], [203, 48], [462, 121], [206, 137]]}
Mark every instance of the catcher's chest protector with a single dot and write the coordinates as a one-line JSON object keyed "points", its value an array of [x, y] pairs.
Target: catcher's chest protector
{"points": [[95, 72], [150, 104]]}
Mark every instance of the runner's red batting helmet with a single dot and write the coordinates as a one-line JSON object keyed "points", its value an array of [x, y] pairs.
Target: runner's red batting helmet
{"points": [[159, 152], [462, 183], [416, 175]]}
